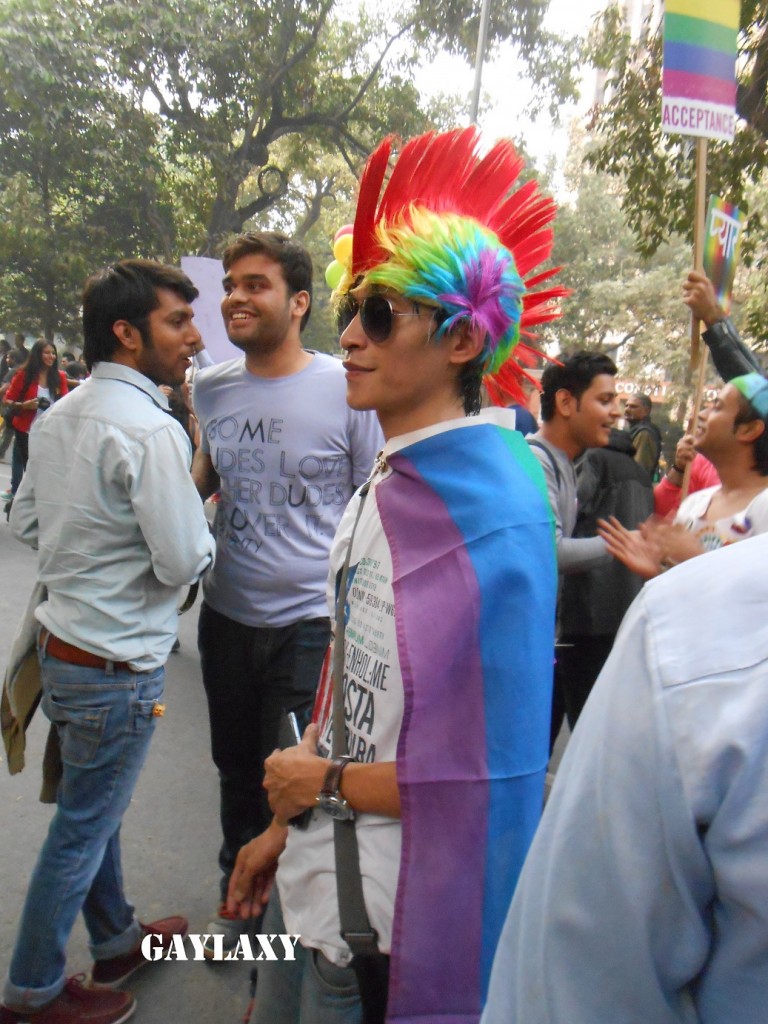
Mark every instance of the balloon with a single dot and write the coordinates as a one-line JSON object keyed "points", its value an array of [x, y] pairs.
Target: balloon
{"points": [[347, 229], [333, 274], [342, 248]]}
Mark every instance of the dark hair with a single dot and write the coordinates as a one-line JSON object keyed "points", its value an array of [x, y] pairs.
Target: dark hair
{"points": [[125, 291], [471, 385], [747, 414], [575, 374], [470, 378], [76, 371], [645, 401], [16, 357], [34, 365], [294, 260]]}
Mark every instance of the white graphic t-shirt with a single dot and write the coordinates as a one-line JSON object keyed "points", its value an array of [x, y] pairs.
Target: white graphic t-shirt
{"points": [[750, 522], [373, 708], [373, 711]]}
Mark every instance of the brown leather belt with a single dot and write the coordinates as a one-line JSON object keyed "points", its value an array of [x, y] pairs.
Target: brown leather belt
{"points": [[75, 655]]}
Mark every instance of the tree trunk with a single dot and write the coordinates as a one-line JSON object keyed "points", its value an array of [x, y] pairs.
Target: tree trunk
{"points": [[225, 218]]}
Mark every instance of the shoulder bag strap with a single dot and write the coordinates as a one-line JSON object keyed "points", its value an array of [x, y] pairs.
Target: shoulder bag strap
{"points": [[356, 929]]}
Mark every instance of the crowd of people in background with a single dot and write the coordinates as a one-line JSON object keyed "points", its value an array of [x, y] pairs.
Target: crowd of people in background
{"points": [[31, 380], [382, 570]]}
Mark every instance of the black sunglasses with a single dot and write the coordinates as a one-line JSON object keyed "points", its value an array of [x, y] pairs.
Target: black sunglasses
{"points": [[377, 317]]}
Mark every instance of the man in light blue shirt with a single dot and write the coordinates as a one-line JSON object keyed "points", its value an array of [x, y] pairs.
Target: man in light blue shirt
{"points": [[643, 898], [108, 500]]}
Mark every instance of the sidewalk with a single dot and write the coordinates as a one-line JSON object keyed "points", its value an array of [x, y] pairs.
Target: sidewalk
{"points": [[170, 834]]}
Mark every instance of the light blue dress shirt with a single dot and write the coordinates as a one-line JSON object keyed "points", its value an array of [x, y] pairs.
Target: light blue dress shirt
{"points": [[644, 898], [108, 500]]}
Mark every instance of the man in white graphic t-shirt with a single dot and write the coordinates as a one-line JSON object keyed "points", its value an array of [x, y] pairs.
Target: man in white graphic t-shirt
{"points": [[433, 763], [733, 434]]}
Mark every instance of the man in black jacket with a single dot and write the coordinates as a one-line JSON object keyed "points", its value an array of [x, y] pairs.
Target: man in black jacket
{"points": [[610, 482], [730, 355], [645, 435]]}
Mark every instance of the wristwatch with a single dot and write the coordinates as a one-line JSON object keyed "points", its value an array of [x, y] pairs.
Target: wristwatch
{"points": [[329, 799]]}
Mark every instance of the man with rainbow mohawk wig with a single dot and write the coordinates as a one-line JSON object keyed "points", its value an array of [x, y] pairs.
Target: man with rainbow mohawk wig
{"points": [[433, 753]]}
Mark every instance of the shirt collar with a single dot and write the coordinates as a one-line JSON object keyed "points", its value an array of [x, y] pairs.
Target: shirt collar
{"points": [[118, 371], [490, 415]]}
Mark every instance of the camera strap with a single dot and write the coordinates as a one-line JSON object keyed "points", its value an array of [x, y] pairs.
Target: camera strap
{"points": [[356, 928]]}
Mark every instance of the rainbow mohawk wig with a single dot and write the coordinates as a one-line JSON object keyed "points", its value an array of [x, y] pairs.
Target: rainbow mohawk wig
{"points": [[450, 231]]}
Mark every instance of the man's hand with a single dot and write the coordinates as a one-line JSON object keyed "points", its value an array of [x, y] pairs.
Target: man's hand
{"points": [[251, 881], [676, 542], [684, 452], [699, 296], [648, 549], [293, 777], [639, 550]]}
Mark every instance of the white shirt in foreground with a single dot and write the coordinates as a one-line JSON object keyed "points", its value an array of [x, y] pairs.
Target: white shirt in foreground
{"points": [[644, 898]]}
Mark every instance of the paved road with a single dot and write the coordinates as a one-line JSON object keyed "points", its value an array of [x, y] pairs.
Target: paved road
{"points": [[170, 833]]}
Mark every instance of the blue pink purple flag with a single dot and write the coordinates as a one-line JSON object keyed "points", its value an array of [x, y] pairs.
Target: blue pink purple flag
{"points": [[470, 530], [722, 244], [699, 74]]}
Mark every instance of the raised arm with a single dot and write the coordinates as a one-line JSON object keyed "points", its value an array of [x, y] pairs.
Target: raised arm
{"points": [[730, 355]]}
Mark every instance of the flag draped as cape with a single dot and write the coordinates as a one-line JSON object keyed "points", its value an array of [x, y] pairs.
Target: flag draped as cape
{"points": [[468, 523]]}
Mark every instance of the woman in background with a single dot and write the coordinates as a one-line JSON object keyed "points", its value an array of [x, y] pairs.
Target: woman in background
{"points": [[34, 388]]}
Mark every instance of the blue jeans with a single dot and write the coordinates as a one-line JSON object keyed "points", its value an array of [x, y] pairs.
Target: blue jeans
{"points": [[105, 721], [307, 990], [251, 676]]}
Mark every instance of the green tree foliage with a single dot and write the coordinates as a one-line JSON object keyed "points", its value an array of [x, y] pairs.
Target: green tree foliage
{"points": [[657, 169], [70, 147], [622, 303], [132, 128], [552, 61], [629, 305], [751, 292], [246, 80], [231, 82]]}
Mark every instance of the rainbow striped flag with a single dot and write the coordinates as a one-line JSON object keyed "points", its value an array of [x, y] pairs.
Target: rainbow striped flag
{"points": [[699, 75], [466, 516]]}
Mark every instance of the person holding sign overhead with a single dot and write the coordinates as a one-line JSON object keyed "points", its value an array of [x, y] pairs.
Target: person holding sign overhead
{"points": [[730, 355]]}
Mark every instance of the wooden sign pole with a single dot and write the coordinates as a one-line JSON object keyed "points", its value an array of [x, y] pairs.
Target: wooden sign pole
{"points": [[699, 352]]}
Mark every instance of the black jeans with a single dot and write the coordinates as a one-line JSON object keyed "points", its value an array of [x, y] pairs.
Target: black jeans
{"points": [[579, 663], [251, 676], [19, 458]]}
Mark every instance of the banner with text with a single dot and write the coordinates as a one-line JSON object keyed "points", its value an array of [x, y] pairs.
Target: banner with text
{"points": [[699, 73]]}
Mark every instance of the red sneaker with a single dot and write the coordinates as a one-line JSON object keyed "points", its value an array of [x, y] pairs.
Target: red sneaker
{"points": [[113, 972], [76, 1004]]}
